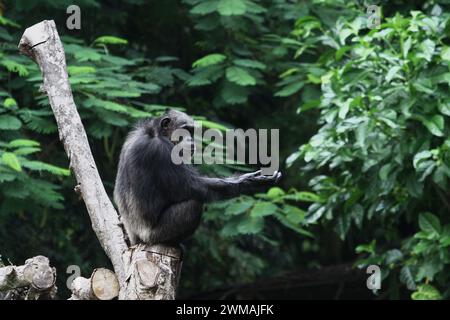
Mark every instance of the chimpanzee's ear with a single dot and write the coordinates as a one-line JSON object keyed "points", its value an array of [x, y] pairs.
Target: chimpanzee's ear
{"points": [[165, 122]]}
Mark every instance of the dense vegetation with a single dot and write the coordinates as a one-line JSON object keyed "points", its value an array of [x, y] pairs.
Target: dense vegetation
{"points": [[364, 119]]}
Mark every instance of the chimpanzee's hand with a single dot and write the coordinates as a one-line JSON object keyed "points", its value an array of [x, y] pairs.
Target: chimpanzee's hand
{"points": [[256, 178]]}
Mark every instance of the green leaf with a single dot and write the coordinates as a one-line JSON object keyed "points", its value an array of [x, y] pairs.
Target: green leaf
{"points": [[9, 123], [108, 105], [250, 225], [424, 85], [287, 223], [249, 63], [74, 70], [429, 223], [204, 76], [290, 89], [304, 196], [407, 278], [294, 214], [368, 248], [430, 267], [122, 94], [445, 241], [233, 93], [205, 7], [11, 161], [239, 207], [41, 166], [87, 54], [262, 209], [435, 125], [23, 143], [13, 66], [7, 177], [423, 155], [275, 193], [343, 225], [209, 60], [231, 7], [444, 108], [406, 47], [9, 102], [344, 34], [311, 104], [393, 256], [6, 22], [392, 73], [385, 171], [427, 47], [426, 292], [26, 151], [445, 53], [240, 76], [110, 40]]}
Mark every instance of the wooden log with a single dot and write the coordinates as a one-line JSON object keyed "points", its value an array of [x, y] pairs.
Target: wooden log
{"points": [[41, 43], [102, 285], [36, 275]]}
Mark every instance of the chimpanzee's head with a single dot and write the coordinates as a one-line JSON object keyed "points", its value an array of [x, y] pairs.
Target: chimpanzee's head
{"points": [[178, 127]]}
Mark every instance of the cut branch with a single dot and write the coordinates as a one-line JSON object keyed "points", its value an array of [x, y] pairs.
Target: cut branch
{"points": [[36, 276], [153, 272], [41, 42], [102, 285]]}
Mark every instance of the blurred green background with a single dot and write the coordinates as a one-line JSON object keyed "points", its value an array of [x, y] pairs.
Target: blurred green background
{"points": [[363, 114]]}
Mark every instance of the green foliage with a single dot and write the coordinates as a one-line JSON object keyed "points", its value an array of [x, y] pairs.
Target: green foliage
{"points": [[209, 60], [382, 140], [426, 292], [235, 31], [110, 40], [365, 112], [246, 215], [240, 76], [22, 184]]}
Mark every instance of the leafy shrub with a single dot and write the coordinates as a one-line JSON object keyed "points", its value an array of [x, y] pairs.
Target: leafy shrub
{"points": [[382, 147]]}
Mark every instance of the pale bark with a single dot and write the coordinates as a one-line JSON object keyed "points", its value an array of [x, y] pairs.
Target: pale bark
{"points": [[102, 285], [153, 272], [36, 277], [41, 42]]}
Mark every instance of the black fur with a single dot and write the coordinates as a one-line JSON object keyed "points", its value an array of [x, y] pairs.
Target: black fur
{"points": [[162, 202]]}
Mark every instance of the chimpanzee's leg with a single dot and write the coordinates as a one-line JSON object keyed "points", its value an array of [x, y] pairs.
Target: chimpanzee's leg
{"points": [[176, 223]]}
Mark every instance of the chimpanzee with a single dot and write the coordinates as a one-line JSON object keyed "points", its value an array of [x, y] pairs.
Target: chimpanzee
{"points": [[160, 201]]}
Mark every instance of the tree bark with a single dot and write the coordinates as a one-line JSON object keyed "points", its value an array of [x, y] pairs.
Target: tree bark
{"points": [[102, 285], [153, 272], [35, 277], [41, 42]]}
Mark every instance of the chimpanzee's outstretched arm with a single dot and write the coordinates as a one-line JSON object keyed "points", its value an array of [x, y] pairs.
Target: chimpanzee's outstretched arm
{"points": [[213, 189]]}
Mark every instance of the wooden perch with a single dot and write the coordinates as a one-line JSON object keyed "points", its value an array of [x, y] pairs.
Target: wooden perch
{"points": [[102, 285], [157, 267], [41, 42], [36, 276]]}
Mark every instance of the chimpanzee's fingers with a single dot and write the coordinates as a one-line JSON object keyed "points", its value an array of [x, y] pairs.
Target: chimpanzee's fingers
{"points": [[251, 175], [275, 177], [278, 176], [269, 178]]}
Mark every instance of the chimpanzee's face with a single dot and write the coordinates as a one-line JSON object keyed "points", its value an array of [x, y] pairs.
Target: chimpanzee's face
{"points": [[170, 124]]}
